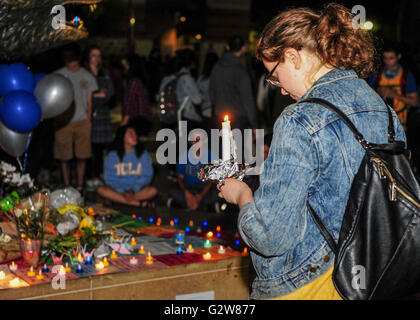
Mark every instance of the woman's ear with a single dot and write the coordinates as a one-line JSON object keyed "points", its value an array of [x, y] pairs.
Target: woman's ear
{"points": [[294, 57]]}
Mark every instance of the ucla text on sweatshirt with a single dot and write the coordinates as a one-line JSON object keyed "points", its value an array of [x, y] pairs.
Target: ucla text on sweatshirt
{"points": [[130, 174]]}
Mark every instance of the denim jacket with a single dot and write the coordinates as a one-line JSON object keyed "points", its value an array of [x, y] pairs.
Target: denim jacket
{"points": [[313, 156]]}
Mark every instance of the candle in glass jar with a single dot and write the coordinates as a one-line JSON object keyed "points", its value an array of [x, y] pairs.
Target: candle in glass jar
{"points": [[2, 275], [226, 132]]}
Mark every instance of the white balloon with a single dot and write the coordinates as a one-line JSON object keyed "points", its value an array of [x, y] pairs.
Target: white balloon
{"points": [[55, 94]]}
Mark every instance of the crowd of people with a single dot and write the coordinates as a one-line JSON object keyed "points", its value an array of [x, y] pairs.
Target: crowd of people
{"points": [[109, 157], [85, 148]]}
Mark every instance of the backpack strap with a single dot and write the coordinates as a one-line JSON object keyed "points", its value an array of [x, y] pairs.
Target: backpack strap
{"points": [[325, 233], [391, 134], [350, 125]]}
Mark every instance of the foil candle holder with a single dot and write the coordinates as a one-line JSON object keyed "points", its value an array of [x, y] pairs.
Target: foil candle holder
{"points": [[219, 170]]}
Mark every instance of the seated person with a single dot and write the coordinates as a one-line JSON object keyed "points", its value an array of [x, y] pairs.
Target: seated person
{"points": [[191, 192], [128, 171]]}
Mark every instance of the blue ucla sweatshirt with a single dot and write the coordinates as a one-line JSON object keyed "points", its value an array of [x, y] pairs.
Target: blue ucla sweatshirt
{"points": [[130, 174]]}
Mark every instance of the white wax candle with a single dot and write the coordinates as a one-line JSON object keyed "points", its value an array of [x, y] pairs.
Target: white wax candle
{"points": [[226, 132]]}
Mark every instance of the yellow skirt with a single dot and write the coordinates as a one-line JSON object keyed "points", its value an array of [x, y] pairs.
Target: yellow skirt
{"points": [[322, 288]]}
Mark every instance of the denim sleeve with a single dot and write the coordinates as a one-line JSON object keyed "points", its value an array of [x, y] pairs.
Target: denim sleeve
{"points": [[275, 221]]}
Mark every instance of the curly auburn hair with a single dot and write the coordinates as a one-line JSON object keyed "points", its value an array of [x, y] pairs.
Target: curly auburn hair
{"points": [[328, 34]]}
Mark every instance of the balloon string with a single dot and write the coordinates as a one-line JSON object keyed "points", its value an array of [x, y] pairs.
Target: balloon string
{"points": [[26, 153]]}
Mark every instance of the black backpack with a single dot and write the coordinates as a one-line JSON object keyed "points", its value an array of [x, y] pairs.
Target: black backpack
{"points": [[168, 101], [378, 251]]}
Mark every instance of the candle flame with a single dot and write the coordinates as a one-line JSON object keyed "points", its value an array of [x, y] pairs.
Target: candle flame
{"points": [[226, 118]]}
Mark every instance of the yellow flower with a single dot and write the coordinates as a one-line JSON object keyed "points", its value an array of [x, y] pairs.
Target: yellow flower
{"points": [[90, 211], [86, 223]]}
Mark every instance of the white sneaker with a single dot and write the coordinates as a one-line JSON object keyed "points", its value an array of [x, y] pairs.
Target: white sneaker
{"points": [[169, 202]]}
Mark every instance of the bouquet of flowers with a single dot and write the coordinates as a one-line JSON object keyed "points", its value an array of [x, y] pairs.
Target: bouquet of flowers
{"points": [[26, 207], [13, 186]]}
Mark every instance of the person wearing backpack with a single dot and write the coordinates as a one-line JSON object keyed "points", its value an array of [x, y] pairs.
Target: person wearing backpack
{"points": [[187, 91], [314, 155]]}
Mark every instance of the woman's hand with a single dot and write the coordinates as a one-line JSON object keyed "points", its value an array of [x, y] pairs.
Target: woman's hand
{"points": [[236, 192]]}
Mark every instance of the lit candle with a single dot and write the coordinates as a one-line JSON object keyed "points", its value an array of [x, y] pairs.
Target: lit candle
{"points": [[113, 255], [133, 241], [62, 270], [191, 223], [40, 276], [133, 260], [207, 256], [159, 221], [45, 269], [226, 132], [209, 234], [221, 250], [190, 248], [2, 275], [142, 251], [13, 266], [172, 223], [149, 258], [207, 244], [106, 263], [14, 283], [31, 272], [179, 251], [80, 258], [180, 237], [79, 268], [88, 260], [67, 268], [99, 266], [218, 228], [245, 252]]}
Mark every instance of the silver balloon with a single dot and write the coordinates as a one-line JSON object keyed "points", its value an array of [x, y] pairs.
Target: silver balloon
{"points": [[14, 143], [55, 94]]}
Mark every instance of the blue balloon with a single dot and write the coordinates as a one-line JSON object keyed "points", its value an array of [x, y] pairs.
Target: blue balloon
{"points": [[20, 111], [38, 77], [15, 76]]}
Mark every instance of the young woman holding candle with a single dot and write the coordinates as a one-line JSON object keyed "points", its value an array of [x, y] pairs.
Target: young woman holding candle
{"points": [[313, 155]]}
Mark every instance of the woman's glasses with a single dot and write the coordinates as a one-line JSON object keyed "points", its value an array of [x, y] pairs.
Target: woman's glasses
{"points": [[273, 80]]}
